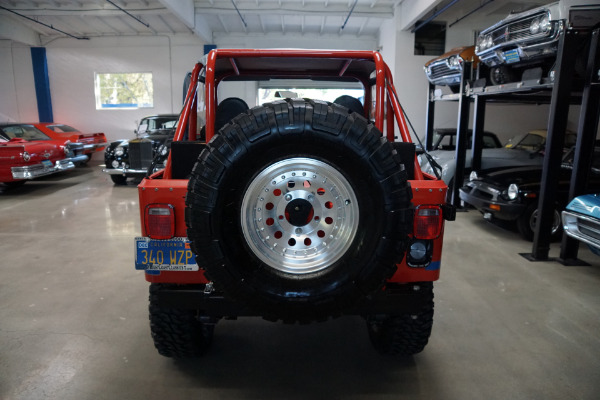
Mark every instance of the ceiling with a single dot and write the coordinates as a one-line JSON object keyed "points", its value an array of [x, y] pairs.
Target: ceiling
{"points": [[211, 19]]}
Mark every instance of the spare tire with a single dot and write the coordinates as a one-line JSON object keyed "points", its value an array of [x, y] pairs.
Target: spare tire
{"points": [[299, 209]]}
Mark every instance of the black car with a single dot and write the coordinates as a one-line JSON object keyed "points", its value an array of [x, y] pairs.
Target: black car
{"points": [[512, 194], [131, 158]]}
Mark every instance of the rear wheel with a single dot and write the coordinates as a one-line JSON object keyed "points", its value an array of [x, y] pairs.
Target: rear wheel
{"points": [[404, 334], [299, 209], [176, 332]]}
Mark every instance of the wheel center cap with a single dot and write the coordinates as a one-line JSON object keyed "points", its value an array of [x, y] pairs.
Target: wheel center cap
{"points": [[299, 212]]}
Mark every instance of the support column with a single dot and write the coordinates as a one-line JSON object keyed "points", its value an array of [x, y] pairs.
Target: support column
{"points": [[42, 84]]}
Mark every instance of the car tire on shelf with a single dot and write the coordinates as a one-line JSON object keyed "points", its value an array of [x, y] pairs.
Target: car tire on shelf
{"points": [[298, 208]]}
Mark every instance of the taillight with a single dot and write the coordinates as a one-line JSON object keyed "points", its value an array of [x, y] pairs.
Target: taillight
{"points": [[160, 221], [428, 222]]}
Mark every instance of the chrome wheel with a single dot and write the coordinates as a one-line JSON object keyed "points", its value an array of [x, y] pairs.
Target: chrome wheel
{"points": [[299, 215], [556, 221]]}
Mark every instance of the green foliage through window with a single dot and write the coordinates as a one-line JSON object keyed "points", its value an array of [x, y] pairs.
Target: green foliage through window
{"points": [[124, 90]]}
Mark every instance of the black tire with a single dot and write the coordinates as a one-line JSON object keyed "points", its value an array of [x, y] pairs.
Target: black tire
{"points": [[119, 179], [276, 133], [454, 88], [501, 75], [177, 333], [526, 223], [15, 184], [405, 334]]}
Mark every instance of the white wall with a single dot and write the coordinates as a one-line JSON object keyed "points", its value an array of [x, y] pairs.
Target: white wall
{"points": [[71, 68], [17, 90]]}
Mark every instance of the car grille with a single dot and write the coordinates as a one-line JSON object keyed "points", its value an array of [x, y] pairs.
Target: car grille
{"points": [[140, 154], [441, 69], [517, 30], [588, 228]]}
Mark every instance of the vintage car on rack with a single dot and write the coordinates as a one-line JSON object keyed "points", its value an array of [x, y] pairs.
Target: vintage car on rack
{"points": [[146, 153], [444, 148], [521, 150], [529, 39], [512, 194], [581, 220], [92, 142], [447, 69], [27, 153], [297, 210]]}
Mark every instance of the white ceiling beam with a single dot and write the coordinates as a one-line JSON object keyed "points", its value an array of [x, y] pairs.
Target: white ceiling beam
{"points": [[185, 11], [182, 9], [413, 11], [361, 10], [161, 19], [223, 24], [16, 31]]}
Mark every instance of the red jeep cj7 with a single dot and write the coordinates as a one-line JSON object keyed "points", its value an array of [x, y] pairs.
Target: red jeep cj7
{"points": [[297, 210]]}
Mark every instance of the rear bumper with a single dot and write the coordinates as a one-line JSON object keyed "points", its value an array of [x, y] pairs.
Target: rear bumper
{"points": [[37, 170], [124, 171], [400, 299]]}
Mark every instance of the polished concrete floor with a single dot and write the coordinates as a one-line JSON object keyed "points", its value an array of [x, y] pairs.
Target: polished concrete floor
{"points": [[74, 324]]}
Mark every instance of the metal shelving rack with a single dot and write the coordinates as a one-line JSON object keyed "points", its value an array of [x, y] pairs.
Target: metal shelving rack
{"points": [[560, 94]]}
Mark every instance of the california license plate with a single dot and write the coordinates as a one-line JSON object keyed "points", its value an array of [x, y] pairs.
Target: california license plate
{"points": [[164, 255], [511, 56], [47, 163]]}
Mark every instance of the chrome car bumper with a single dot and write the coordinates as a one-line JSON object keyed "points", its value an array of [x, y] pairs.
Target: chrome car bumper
{"points": [[124, 171], [582, 228], [37, 170]]}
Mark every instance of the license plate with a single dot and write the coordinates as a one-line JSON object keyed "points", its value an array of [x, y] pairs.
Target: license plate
{"points": [[164, 255], [511, 56], [47, 163]]}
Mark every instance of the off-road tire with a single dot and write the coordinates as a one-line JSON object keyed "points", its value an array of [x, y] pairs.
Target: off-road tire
{"points": [[295, 131], [525, 223], [177, 333], [405, 334], [119, 179]]}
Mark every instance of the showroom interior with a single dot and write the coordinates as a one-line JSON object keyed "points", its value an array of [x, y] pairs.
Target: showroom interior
{"points": [[514, 318]]}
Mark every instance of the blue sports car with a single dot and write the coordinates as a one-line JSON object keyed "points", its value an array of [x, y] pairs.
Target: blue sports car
{"points": [[581, 220]]}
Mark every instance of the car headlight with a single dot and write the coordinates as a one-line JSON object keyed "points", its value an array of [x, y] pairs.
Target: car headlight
{"points": [[513, 191], [545, 23], [162, 150], [115, 164], [480, 43], [488, 41], [26, 156], [473, 176], [454, 61], [119, 151], [535, 26]]}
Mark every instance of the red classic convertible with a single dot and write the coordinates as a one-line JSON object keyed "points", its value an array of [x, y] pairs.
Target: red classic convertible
{"points": [[92, 142], [27, 153]]}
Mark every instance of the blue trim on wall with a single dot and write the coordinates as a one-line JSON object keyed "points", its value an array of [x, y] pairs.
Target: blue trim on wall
{"points": [[42, 84], [209, 47]]}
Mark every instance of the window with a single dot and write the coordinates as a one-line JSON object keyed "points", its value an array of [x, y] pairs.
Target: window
{"points": [[124, 91], [430, 39], [267, 95]]}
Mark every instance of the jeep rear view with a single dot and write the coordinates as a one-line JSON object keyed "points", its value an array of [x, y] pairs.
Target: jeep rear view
{"points": [[296, 210]]}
